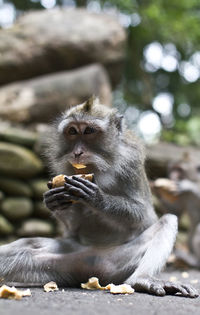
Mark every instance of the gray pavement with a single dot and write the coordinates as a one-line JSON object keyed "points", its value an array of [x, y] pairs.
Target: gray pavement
{"points": [[79, 301]]}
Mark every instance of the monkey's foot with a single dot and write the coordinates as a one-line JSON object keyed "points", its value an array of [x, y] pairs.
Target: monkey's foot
{"points": [[161, 287]]}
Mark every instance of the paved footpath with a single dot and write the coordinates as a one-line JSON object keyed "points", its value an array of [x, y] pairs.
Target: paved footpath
{"points": [[82, 302]]}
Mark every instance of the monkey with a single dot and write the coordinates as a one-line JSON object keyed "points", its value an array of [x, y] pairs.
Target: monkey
{"points": [[111, 229], [185, 176]]}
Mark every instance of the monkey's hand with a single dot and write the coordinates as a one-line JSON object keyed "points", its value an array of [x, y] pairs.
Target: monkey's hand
{"points": [[83, 190], [57, 199], [162, 287]]}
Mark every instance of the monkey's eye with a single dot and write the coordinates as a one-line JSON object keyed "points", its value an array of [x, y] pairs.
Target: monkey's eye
{"points": [[72, 131], [89, 130]]}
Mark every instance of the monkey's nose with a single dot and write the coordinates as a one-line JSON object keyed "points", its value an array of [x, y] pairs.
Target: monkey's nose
{"points": [[78, 154]]}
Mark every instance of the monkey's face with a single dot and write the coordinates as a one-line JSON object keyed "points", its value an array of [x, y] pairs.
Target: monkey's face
{"points": [[88, 134], [87, 141]]}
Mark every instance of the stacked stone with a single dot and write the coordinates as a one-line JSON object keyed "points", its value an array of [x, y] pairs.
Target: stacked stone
{"points": [[23, 181]]}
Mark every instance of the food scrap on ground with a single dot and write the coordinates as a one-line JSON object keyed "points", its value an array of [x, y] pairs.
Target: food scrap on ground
{"points": [[50, 286], [120, 289], [93, 284], [13, 293], [185, 274]]}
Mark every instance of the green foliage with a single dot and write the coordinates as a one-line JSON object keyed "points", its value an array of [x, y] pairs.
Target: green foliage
{"points": [[184, 133], [24, 5]]}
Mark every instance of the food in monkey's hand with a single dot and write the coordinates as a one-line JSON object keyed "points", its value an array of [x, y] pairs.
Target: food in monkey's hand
{"points": [[50, 286], [59, 180], [93, 284], [165, 188], [13, 293]]}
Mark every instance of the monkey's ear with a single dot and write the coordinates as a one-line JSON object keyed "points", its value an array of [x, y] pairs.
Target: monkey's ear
{"points": [[89, 103], [118, 121]]}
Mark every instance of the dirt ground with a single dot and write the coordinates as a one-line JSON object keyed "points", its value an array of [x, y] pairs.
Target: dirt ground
{"points": [[79, 301]]}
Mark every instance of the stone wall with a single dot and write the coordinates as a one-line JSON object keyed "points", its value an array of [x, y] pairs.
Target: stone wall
{"points": [[23, 180]]}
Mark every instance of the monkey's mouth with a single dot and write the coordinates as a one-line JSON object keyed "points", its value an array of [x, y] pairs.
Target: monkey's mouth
{"points": [[78, 163]]}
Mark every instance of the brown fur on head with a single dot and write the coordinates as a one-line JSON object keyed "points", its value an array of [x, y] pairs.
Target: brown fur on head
{"points": [[93, 108], [88, 104]]}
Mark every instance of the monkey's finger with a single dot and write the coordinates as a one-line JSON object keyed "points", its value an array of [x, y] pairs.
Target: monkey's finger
{"points": [[73, 191], [173, 288], [53, 191], [56, 196], [77, 184], [193, 293], [58, 205], [157, 289], [70, 198], [86, 182], [65, 198]]}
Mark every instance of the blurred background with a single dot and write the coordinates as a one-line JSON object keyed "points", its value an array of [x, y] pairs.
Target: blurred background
{"points": [[158, 90], [143, 57]]}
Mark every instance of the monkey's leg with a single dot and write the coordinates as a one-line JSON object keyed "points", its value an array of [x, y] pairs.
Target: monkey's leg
{"points": [[36, 261], [158, 241]]}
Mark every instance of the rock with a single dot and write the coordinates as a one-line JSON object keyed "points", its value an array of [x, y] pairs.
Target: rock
{"points": [[39, 186], [48, 41], [17, 208], [36, 227], [40, 210], [15, 187], [17, 161], [41, 99], [1, 195], [6, 227], [18, 135], [7, 239]]}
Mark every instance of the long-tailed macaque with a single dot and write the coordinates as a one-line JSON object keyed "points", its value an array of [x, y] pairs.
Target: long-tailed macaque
{"points": [[185, 177], [112, 231]]}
